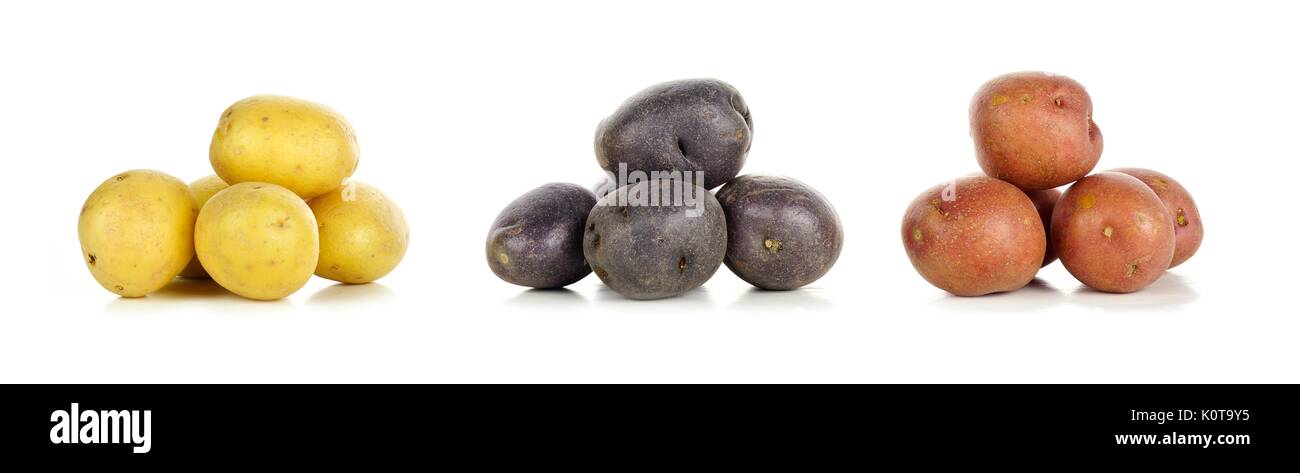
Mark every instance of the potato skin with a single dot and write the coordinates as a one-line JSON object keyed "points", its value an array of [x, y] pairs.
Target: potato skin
{"points": [[986, 238], [655, 252], [302, 146], [700, 125], [202, 190], [1113, 233], [536, 241], [363, 234], [1045, 201], [137, 231], [1188, 228], [257, 240], [781, 233], [1034, 130]]}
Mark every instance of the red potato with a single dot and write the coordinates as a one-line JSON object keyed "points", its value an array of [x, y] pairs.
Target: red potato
{"points": [[1188, 230], [1045, 202], [974, 236], [1113, 233], [1034, 130]]}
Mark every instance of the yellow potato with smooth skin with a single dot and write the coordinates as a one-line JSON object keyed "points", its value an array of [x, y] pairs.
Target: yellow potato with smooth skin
{"points": [[202, 190], [257, 240], [363, 234], [302, 146], [137, 231]]}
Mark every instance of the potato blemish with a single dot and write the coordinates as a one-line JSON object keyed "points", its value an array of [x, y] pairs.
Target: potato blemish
{"points": [[1025, 98], [1131, 269], [1108, 232], [1181, 219], [938, 207], [1087, 201], [916, 235], [90, 259], [681, 265], [772, 245], [998, 100], [503, 258]]}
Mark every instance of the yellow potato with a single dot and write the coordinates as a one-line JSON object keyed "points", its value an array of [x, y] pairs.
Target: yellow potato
{"points": [[299, 145], [363, 234], [202, 189], [257, 240], [137, 231]]}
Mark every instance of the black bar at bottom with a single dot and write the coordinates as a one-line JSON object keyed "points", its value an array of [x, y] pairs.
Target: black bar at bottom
{"points": [[567, 426]]}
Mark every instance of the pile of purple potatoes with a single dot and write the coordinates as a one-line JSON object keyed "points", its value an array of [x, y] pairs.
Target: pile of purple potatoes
{"points": [[1116, 231], [774, 232]]}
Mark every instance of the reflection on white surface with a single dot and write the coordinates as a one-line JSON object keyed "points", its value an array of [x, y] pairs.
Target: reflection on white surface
{"points": [[183, 288], [747, 300], [1038, 294], [699, 298], [1169, 292], [352, 293], [199, 294], [548, 298], [803, 299]]}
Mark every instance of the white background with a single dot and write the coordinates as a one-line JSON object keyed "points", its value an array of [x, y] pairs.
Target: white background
{"points": [[461, 108]]}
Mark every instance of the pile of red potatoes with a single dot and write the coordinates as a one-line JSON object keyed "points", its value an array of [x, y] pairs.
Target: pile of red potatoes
{"points": [[1115, 231]]}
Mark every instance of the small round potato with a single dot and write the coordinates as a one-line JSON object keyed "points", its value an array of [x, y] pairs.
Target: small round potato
{"points": [[363, 234], [299, 145], [1188, 228], [536, 241], [975, 235], [781, 233], [1113, 233], [202, 189], [257, 240], [137, 231], [656, 239], [1034, 130]]}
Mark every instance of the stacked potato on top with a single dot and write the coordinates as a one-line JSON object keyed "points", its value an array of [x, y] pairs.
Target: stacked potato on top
{"points": [[277, 210], [1115, 231]]}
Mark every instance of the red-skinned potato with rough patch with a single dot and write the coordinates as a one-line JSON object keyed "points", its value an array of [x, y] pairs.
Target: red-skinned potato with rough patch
{"points": [[1034, 130], [1112, 233], [974, 236], [1188, 229]]}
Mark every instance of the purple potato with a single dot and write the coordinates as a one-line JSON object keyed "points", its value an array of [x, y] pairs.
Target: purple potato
{"points": [[537, 240], [656, 251], [781, 234], [697, 125]]}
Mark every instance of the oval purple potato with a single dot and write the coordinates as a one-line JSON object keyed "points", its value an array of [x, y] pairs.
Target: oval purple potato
{"points": [[781, 234], [537, 240], [652, 249], [697, 125]]}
